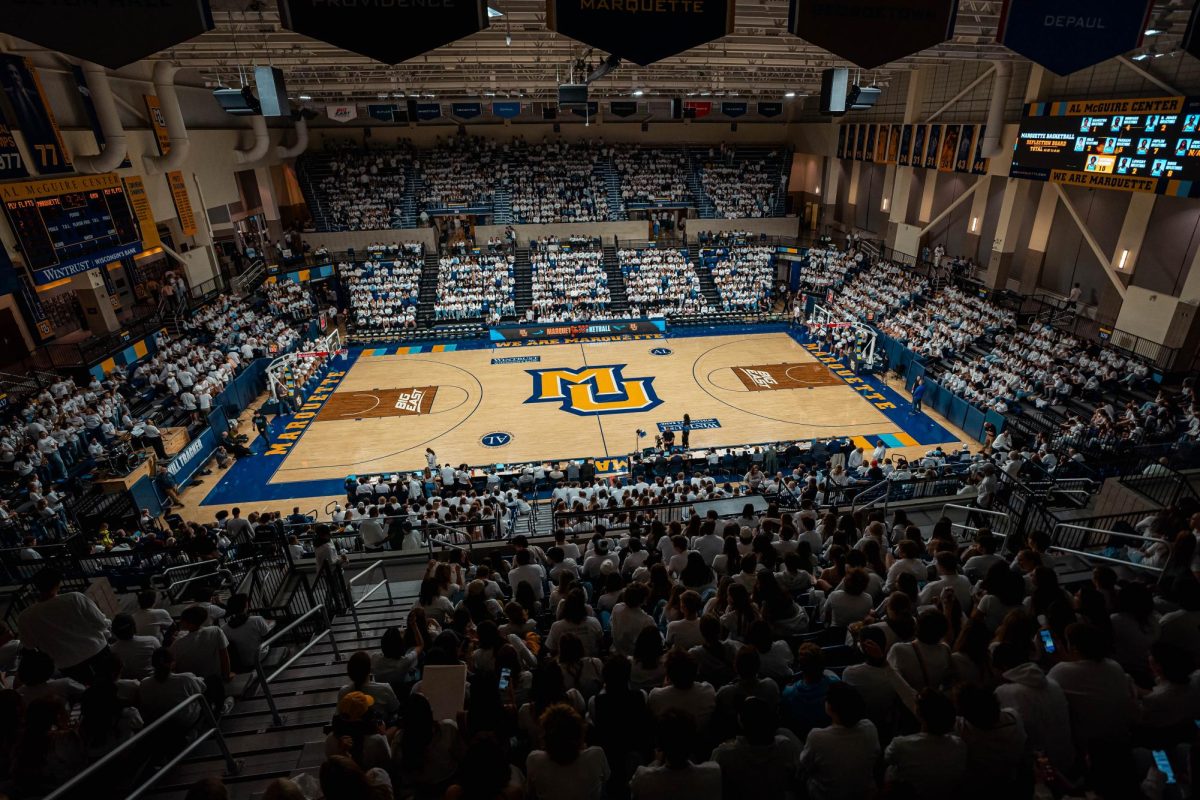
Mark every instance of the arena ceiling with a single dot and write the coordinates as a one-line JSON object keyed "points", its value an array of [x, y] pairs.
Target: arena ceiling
{"points": [[519, 57]]}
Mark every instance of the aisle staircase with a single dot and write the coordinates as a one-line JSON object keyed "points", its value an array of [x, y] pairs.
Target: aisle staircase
{"points": [[502, 213], [523, 279], [408, 205], [708, 287], [310, 169], [612, 180], [428, 291], [616, 281], [704, 207]]}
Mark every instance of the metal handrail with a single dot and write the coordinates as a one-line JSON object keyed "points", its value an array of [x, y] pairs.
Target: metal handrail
{"points": [[1106, 559], [264, 680], [354, 604], [223, 574], [232, 766], [189, 565], [975, 509], [1069, 526]]}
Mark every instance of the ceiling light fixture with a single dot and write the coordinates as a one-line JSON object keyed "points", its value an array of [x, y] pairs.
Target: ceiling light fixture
{"points": [[1154, 31], [305, 97], [790, 94], [638, 93], [1141, 56], [494, 14]]}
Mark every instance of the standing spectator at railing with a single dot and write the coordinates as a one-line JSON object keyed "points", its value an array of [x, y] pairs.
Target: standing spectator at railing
{"points": [[204, 650], [67, 627], [245, 633]]}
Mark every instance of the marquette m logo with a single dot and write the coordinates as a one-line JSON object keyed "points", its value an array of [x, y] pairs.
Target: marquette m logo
{"points": [[591, 391]]}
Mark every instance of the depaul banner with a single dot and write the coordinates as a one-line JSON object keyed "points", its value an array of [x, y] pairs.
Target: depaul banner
{"points": [[390, 31], [1065, 36], [506, 110], [466, 110], [871, 33], [12, 165], [89, 108], [34, 116], [429, 110], [641, 31], [734, 109]]}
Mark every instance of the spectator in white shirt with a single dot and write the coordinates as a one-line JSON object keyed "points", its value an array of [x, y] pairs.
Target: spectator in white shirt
{"points": [[839, 761], [134, 651], [151, 621], [245, 632], [67, 627], [933, 762], [673, 774]]}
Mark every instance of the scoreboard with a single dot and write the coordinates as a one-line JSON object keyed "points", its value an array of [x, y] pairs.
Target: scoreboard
{"points": [[67, 226], [1144, 145]]}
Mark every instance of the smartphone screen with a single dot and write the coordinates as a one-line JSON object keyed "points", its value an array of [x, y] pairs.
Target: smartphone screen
{"points": [[504, 676], [1047, 640], [1164, 765]]}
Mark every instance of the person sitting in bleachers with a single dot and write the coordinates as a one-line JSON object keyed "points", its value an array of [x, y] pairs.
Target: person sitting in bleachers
{"points": [[661, 282], [569, 282], [470, 287], [385, 289]]}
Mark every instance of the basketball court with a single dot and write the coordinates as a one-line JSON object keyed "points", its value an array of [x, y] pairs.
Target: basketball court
{"points": [[382, 408]]}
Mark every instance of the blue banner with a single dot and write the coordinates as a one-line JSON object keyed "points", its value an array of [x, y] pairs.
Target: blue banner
{"points": [[429, 110], [383, 112], [12, 165], [506, 110], [593, 108], [734, 109], [466, 110], [1065, 36], [89, 108], [34, 117], [770, 109], [623, 108], [72, 267]]}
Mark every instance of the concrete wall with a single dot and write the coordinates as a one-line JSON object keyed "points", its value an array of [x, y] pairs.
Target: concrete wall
{"points": [[777, 226], [358, 240]]}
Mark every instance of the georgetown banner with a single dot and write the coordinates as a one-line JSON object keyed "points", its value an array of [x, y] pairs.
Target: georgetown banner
{"points": [[641, 31], [390, 32], [871, 33], [1065, 36]]}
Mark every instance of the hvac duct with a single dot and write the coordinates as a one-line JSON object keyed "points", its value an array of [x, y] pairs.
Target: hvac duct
{"points": [[112, 152], [990, 146], [301, 143], [168, 101], [262, 142]]}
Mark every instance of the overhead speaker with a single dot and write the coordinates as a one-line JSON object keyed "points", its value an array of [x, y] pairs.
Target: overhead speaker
{"points": [[835, 83], [861, 97], [573, 96], [238, 102], [272, 91], [676, 108]]}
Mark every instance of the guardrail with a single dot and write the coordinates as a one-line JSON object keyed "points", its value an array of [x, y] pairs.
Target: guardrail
{"points": [[1003, 515], [232, 767], [354, 604], [264, 680]]}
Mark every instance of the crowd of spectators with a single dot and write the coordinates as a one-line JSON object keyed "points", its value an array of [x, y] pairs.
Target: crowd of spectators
{"points": [[744, 275], [827, 267], [741, 188], [661, 282], [458, 171], [474, 286], [364, 187], [286, 298], [568, 281], [385, 289], [650, 175], [555, 182]]}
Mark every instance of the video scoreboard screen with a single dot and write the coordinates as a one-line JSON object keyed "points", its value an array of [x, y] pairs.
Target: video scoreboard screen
{"points": [[70, 225], [1146, 145]]}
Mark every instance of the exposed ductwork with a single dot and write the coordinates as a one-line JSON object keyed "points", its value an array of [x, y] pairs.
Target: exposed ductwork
{"points": [[262, 142], [990, 146], [301, 143], [168, 101], [115, 146]]}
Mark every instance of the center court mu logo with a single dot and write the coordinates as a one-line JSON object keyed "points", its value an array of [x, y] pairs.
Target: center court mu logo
{"points": [[591, 391]]}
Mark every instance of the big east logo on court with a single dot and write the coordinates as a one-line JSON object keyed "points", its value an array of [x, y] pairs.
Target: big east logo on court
{"points": [[591, 391]]}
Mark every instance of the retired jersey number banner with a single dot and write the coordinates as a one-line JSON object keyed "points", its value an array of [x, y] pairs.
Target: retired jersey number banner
{"points": [[12, 165], [183, 203], [1065, 36], [871, 33], [34, 116], [390, 31], [641, 31]]}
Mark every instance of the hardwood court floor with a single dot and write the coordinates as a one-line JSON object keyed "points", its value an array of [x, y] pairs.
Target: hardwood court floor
{"points": [[756, 388]]}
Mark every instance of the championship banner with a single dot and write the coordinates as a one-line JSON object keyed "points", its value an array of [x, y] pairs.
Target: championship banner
{"points": [[1097, 180], [903, 157], [390, 32], [622, 108], [158, 122], [466, 110], [697, 109], [506, 110], [134, 30], [383, 112], [89, 108], [734, 109], [871, 33], [966, 152], [183, 204], [426, 111], [1064, 36], [617, 328], [139, 201], [641, 31], [770, 109], [12, 165], [342, 113], [34, 116]]}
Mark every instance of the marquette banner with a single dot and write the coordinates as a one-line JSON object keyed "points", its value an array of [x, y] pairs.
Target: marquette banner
{"points": [[34, 116], [183, 204], [871, 33], [1065, 36], [12, 165], [917, 156], [466, 110], [841, 143], [903, 158], [158, 122], [1096, 180], [389, 31], [932, 145], [980, 164], [506, 110], [860, 138], [949, 149], [591, 110], [89, 108], [135, 192], [641, 31]]}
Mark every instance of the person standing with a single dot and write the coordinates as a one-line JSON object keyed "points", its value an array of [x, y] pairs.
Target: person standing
{"points": [[685, 431], [260, 425], [918, 394], [67, 627]]}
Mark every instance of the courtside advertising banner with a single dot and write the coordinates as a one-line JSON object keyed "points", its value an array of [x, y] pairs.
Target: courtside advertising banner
{"points": [[1065, 36], [390, 32], [641, 31], [871, 33]]}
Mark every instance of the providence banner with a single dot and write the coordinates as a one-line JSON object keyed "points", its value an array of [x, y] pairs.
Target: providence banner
{"points": [[1065, 36], [641, 31], [871, 33], [390, 32], [34, 117], [112, 33]]}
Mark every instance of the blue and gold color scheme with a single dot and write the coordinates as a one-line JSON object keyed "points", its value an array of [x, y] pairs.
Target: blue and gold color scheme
{"points": [[592, 391]]}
